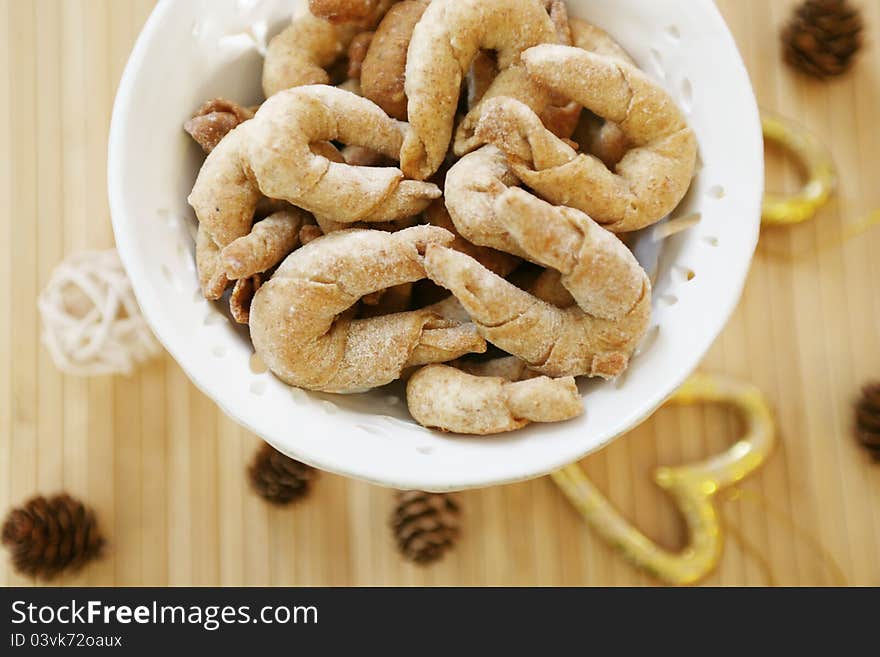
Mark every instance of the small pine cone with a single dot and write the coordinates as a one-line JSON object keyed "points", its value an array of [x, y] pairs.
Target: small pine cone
{"points": [[425, 524], [823, 37], [868, 419], [279, 479], [47, 536]]}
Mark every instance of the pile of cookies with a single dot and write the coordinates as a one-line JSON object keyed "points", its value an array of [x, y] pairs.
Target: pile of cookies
{"points": [[437, 190]]}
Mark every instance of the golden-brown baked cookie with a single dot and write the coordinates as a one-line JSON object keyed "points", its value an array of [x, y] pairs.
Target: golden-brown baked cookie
{"points": [[472, 186], [496, 261], [272, 155], [301, 53], [309, 234], [443, 397], [214, 120], [591, 37], [242, 296], [269, 242], [357, 52], [302, 321], [212, 275], [596, 136], [561, 114], [384, 67], [360, 12], [597, 336], [445, 42], [647, 183]]}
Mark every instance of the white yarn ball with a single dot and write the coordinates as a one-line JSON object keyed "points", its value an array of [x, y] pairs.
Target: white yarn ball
{"points": [[91, 321]]}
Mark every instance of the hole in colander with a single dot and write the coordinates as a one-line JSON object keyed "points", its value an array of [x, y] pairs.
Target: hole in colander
{"points": [[219, 351], [687, 95], [329, 408], [717, 192], [397, 423], [673, 33], [711, 241], [686, 273], [213, 318], [257, 365], [676, 225], [427, 450], [669, 299], [373, 430], [258, 387]]}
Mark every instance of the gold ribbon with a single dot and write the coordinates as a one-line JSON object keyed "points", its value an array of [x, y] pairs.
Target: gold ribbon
{"points": [[692, 487], [814, 158]]}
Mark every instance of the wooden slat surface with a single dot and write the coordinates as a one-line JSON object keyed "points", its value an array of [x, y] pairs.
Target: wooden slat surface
{"points": [[165, 469]]}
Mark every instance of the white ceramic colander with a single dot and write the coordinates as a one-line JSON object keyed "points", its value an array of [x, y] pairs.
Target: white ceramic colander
{"points": [[193, 50]]}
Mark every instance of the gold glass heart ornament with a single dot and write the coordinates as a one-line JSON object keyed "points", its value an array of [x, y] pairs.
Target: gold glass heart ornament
{"points": [[692, 487], [815, 160]]}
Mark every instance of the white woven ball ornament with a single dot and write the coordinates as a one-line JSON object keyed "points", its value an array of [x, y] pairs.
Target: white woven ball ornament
{"points": [[92, 324]]}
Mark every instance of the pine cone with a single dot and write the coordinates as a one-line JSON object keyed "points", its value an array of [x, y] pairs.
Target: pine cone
{"points": [[277, 478], [823, 37], [868, 419], [47, 536], [425, 524]]}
